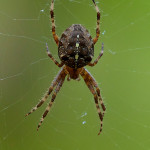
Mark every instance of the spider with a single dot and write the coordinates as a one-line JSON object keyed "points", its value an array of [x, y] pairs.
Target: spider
{"points": [[75, 50]]}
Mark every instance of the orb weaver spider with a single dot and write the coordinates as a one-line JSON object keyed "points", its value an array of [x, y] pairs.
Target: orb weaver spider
{"points": [[75, 50]]}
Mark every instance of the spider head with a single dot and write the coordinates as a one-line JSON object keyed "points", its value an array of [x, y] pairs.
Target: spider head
{"points": [[76, 48]]}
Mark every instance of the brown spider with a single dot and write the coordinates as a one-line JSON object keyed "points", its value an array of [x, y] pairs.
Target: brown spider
{"points": [[75, 50]]}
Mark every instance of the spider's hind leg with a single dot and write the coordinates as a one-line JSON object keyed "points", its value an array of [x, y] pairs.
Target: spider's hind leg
{"points": [[98, 23], [56, 38]]}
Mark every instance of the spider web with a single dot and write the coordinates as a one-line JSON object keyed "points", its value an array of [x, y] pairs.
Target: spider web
{"points": [[123, 75]]}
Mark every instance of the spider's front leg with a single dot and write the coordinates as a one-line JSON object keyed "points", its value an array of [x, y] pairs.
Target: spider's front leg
{"points": [[41, 102], [54, 84], [93, 82], [52, 58], [97, 59], [90, 83], [52, 100]]}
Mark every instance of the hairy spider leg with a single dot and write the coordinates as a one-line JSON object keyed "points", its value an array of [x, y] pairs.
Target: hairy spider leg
{"points": [[52, 99], [93, 82], [86, 78], [98, 23], [99, 56], [56, 38], [54, 83], [52, 58]]}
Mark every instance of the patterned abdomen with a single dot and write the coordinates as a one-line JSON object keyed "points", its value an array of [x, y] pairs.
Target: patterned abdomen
{"points": [[76, 48]]}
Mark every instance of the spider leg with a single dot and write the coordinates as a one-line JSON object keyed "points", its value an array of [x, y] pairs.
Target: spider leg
{"points": [[51, 102], [56, 38], [97, 59], [86, 77], [78, 79], [54, 83], [93, 82], [98, 23], [99, 96], [68, 78], [52, 58]]}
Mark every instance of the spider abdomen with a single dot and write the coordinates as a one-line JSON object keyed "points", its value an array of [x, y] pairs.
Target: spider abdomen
{"points": [[76, 48]]}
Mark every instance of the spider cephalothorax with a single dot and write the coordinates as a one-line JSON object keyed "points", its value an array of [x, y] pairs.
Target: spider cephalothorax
{"points": [[75, 50]]}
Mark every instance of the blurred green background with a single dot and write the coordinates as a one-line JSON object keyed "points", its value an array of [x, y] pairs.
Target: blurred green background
{"points": [[123, 74]]}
